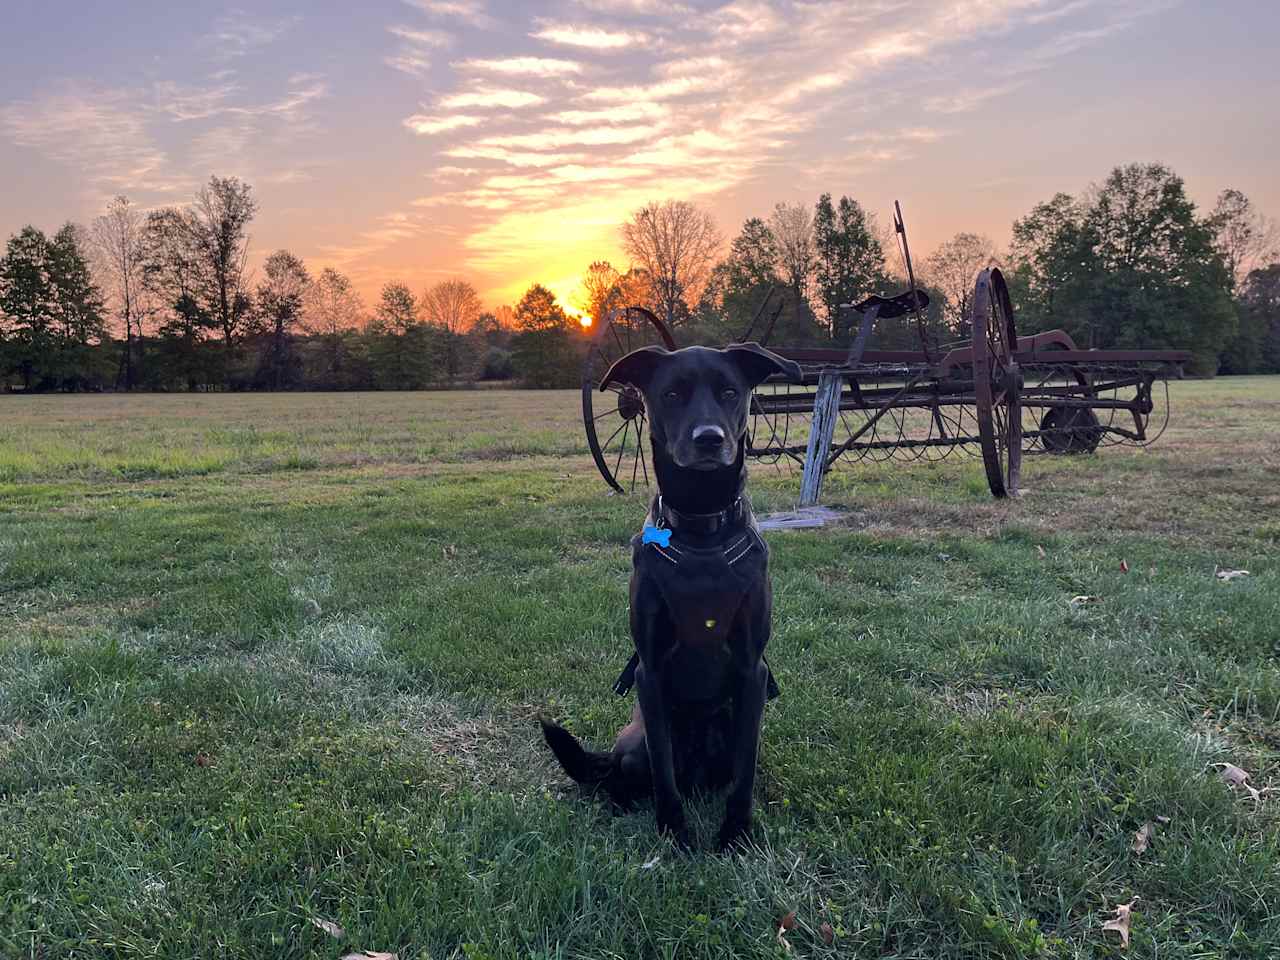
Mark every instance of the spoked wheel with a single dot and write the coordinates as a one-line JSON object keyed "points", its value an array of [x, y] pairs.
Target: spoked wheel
{"points": [[615, 418], [997, 383]]}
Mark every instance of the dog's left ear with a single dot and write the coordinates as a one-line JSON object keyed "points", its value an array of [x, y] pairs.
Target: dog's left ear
{"points": [[636, 368], [758, 364]]}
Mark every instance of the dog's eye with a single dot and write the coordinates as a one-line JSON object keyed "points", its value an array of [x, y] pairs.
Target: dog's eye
{"points": [[729, 394]]}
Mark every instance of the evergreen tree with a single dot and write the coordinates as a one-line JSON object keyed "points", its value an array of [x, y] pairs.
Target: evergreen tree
{"points": [[27, 304], [78, 307], [849, 263]]}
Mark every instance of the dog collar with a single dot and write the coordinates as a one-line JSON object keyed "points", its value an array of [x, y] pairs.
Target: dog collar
{"points": [[698, 523]]}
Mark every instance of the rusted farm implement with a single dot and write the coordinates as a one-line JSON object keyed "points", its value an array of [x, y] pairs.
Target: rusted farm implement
{"points": [[1004, 395]]}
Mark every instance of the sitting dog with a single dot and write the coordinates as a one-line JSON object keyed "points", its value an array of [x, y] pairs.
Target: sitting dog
{"points": [[701, 602]]}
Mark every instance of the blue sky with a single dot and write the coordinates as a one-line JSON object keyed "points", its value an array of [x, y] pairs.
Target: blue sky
{"points": [[504, 143]]}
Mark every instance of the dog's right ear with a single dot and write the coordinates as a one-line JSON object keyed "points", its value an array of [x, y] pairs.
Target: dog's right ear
{"points": [[635, 368]]}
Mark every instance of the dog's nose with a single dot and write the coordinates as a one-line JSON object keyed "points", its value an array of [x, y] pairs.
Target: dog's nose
{"points": [[708, 436]]}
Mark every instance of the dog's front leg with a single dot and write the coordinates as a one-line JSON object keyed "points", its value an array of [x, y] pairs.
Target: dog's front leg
{"points": [[657, 725], [748, 711]]}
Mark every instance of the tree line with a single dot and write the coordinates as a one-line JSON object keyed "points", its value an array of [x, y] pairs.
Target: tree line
{"points": [[164, 300]]}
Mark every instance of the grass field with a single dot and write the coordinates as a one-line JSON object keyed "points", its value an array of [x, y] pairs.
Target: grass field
{"points": [[266, 660]]}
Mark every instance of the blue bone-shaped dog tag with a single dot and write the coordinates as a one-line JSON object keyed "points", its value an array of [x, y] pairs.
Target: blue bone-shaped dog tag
{"points": [[653, 535]]}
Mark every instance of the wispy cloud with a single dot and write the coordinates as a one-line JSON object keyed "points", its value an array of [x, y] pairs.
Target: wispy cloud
{"points": [[591, 37], [650, 8], [624, 113], [237, 32], [413, 55], [485, 98], [523, 66], [966, 99], [101, 133], [669, 98], [747, 20], [112, 137], [471, 12], [424, 125]]}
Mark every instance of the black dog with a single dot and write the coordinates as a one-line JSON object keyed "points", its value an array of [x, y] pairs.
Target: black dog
{"points": [[701, 602]]}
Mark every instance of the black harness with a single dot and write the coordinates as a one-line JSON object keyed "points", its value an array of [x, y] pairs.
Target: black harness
{"points": [[664, 560]]}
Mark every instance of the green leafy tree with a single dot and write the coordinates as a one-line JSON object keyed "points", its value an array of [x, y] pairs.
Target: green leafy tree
{"points": [[849, 263], [1260, 312], [546, 349], [395, 320], [1130, 267]]}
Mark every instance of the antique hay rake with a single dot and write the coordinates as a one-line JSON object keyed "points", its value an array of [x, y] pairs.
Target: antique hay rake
{"points": [[999, 394]]}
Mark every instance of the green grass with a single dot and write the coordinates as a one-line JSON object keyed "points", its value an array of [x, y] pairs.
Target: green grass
{"points": [[268, 659]]}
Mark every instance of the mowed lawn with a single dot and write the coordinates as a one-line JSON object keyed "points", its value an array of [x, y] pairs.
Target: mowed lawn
{"points": [[268, 660]]}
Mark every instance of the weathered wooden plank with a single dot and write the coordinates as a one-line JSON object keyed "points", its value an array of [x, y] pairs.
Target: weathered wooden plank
{"points": [[826, 410]]}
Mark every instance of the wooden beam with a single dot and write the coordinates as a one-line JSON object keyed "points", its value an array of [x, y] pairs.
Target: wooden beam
{"points": [[826, 410]]}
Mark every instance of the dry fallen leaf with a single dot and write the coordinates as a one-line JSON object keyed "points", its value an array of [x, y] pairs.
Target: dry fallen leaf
{"points": [[450, 551], [1124, 566], [828, 935], [1040, 551], [371, 955], [1120, 923], [651, 863], [1234, 776], [204, 760], [1225, 575], [329, 927], [785, 924], [1142, 839], [1081, 600]]}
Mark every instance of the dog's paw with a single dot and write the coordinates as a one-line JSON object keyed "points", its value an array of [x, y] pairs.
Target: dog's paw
{"points": [[676, 829], [734, 836]]}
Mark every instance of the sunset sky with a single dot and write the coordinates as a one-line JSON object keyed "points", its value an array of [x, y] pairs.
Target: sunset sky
{"points": [[505, 142]]}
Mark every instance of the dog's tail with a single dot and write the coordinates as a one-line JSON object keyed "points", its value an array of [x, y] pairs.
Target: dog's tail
{"points": [[582, 765]]}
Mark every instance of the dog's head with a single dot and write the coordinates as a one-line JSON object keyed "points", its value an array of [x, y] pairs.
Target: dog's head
{"points": [[698, 398]]}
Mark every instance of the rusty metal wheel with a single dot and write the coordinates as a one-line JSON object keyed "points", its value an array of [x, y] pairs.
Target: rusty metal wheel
{"points": [[1070, 430], [997, 383], [615, 418]]}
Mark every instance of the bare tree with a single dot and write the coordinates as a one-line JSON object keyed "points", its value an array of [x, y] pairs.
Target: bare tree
{"points": [[174, 280], [219, 225], [281, 296], [453, 306], [1246, 238], [331, 308], [119, 242], [676, 244], [600, 291], [332, 305], [952, 269], [792, 229]]}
